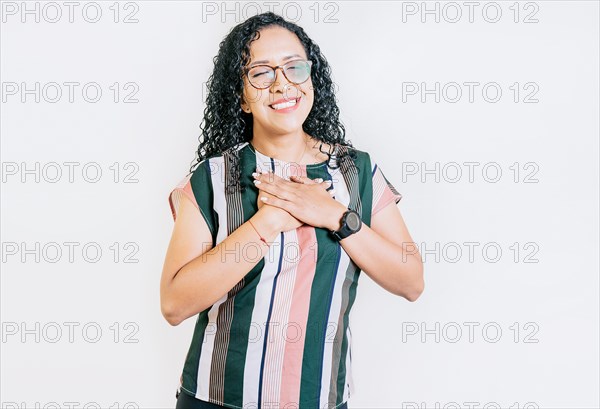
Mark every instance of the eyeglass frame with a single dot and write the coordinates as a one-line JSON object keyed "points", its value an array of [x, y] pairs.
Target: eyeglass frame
{"points": [[247, 72]]}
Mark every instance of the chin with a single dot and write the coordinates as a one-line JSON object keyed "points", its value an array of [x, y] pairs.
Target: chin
{"points": [[287, 126], [285, 129]]}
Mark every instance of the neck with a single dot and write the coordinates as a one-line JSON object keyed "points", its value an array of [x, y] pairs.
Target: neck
{"points": [[292, 147]]}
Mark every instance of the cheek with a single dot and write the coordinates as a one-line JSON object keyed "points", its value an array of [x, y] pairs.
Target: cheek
{"points": [[252, 95], [308, 87], [308, 94]]}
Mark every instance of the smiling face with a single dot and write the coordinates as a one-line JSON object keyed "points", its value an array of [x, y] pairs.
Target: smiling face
{"points": [[277, 46]]}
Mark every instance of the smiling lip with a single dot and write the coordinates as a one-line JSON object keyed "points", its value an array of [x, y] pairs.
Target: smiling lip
{"points": [[285, 110]]}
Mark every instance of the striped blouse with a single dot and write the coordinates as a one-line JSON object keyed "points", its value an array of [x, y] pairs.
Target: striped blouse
{"points": [[280, 338]]}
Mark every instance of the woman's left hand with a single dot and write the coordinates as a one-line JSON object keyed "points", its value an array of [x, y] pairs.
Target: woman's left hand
{"points": [[305, 199]]}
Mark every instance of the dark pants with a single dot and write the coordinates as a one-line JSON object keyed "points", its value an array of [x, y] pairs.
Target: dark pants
{"points": [[185, 401]]}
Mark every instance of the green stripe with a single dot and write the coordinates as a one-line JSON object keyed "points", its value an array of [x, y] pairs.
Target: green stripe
{"points": [[190, 368], [320, 301], [244, 300], [366, 185], [202, 187]]}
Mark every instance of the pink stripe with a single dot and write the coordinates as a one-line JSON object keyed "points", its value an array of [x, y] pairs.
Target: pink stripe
{"points": [[382, 194], [291, 303], [298, 317], [280, 315], [184, 187], [294, 349], [386, 198]]}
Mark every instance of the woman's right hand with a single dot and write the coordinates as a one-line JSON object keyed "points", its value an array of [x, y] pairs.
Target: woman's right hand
{"points": [[277, 216]]}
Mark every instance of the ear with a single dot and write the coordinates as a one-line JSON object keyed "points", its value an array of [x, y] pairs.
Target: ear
{"points": [[244, 105]]}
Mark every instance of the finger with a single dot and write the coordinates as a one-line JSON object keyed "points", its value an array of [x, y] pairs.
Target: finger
{"points": [[275, 201], [307, 180], [297, 179], [301, 179], [294, 179], [270, 177], [285, 188], [273, 189], [258, 174]]}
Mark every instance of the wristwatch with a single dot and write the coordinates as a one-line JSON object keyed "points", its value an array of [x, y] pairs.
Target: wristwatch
{"points": [[351, 223]]}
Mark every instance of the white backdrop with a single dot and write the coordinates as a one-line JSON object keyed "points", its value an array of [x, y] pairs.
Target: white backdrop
{"points": [[486, 120]]}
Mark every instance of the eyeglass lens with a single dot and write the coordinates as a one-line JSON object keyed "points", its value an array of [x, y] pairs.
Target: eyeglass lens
{"points": [[263, 76]]}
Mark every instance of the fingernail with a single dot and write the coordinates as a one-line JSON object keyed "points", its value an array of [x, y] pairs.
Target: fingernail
{"points": [[264, 199], [257, 182], [332, 191], [319, 180], [255, 174]]}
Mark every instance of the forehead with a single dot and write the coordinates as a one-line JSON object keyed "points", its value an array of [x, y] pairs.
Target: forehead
{"points": [[274, 44]]}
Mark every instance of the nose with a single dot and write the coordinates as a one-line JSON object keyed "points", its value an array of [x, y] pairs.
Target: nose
{"points": [[279, 77], [282, 84]]}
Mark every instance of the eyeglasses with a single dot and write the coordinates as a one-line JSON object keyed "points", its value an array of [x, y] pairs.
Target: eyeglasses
{"points": [[263, 76]]}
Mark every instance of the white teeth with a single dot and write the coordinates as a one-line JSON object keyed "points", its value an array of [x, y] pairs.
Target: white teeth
{"points": [[284, 105]]}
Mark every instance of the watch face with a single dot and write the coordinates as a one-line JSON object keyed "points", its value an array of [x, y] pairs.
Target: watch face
{"points": [[353, 221]]}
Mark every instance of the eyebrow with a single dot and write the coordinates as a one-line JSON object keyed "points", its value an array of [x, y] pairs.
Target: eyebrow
{"points": [[266, 61]]}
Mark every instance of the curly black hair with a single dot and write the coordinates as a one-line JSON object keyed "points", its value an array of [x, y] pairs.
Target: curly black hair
{"points": [[226, 125]]}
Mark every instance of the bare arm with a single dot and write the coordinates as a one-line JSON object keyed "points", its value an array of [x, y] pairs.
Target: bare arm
{"points": [[386, 252], [195, 275]]}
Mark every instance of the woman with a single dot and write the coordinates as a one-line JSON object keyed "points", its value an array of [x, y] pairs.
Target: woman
{"points": [[269, 262]]}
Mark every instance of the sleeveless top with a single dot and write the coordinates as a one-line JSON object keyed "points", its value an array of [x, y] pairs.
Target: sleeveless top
{"points": [[281, 336]]}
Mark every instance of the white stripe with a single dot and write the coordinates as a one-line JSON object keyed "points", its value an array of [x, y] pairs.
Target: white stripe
{"points": [[342, 192], [280, 314], [217, 175], [260, 314], [349, 384]]}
